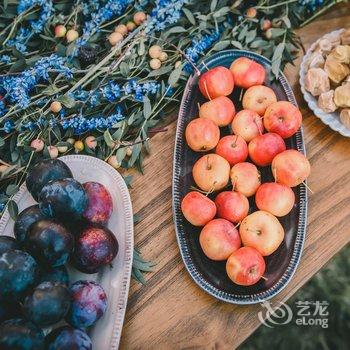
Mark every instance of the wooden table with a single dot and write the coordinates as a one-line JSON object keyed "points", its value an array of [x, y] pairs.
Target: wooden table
{"points": [[171, 311]]}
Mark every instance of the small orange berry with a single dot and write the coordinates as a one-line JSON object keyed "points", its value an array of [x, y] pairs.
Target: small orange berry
{"points": [[139, 17], [55, 106]]}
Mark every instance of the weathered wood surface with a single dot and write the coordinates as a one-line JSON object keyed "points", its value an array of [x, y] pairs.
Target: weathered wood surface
{"points": [[171, 312]]}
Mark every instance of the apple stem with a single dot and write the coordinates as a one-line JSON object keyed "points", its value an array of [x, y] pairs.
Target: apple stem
{"points": [[241, 95], [211, 190], [275, 174], [305, 184], [260, 131], [238, 223], [264, 278], [193, 188], [199, 106], [206, 89]]}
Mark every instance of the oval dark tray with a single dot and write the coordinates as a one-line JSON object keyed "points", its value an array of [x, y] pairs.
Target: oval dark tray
{"points": [[210, 275]]}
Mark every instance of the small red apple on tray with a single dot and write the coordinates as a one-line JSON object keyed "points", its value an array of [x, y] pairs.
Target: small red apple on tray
{"points": [[245, 266], [202, 134], [219, 239], [232, 206], [277, 199], [247, 73], [245, 178], [216, 82], [264, 148], [260, 232], [290, 168], [197, 208], [283, 118], [247, 124], [220, 110], [233, 148], [211, 173], [257, 98]]}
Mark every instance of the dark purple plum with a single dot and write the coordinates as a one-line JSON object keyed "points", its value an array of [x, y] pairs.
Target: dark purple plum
{"points": [[18, 273], [100, 206], [89, 303], [65, 198], [68, 338], [9, 309], [48, 304], [8, 243], [49, 242], [95, 246], [25, 219], [45, 171], [19, 334], [54, 274]]}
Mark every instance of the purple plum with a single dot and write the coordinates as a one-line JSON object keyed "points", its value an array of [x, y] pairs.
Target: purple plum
{"points": [[8, 243], [95, 246], [89, 303], [48, 304], [68, 338], [100, 206]]}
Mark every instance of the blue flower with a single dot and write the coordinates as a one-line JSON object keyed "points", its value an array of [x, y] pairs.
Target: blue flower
{"points": [[8, 126], [5, 59], [311, 5], [19, 86]]}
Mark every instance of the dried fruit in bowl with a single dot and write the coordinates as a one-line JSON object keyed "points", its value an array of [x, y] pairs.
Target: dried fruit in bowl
{"points": [[345, 37], [345, 117], [316, 60], [317, 81], [341, 53], [342, 96], [336, 70], [326, 101]]}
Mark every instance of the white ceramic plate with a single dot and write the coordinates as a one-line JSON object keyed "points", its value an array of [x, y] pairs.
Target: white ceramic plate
{"points": [[331, 119], [106, 333]]}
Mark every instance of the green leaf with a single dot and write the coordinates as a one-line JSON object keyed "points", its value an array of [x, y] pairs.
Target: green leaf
{"points": [[11, 189], [189, 15], [121, 153], [13, 209], [108, 137], [136, 150], [222, 12], [47, 38], [124, 69], [276, 32], [175, 30], [277, 58], [221, 45], [236, 44], [147, 108], [213, 5], [67, 101], [160, 71], [51, 90], [2, 141], [175, 76]]}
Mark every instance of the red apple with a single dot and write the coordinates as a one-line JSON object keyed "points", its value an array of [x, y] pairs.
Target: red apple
{"points": [[263, 148], [202, 134], [245, 178], [247, 73], [262, 231], [275, 198], [220, 110], [233, 148], [219, 239], [258, 98], [290, 168], [216, 82], [232, 206], [211, 172], [283, 118], [245, 266], [247, 124], [197, 208]]}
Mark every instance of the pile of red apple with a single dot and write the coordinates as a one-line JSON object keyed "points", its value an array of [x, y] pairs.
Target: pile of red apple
{"points": [[230, 171]]}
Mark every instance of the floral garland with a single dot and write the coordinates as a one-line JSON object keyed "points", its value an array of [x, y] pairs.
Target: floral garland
{"points": [[110, 70]]}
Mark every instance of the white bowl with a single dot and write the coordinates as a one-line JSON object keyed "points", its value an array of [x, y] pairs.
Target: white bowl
{"points": [[115, 280], [331, 119]]}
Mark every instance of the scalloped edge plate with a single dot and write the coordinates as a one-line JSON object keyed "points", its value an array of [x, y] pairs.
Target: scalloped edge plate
{"points": [[330, 119], [116, 280]]}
